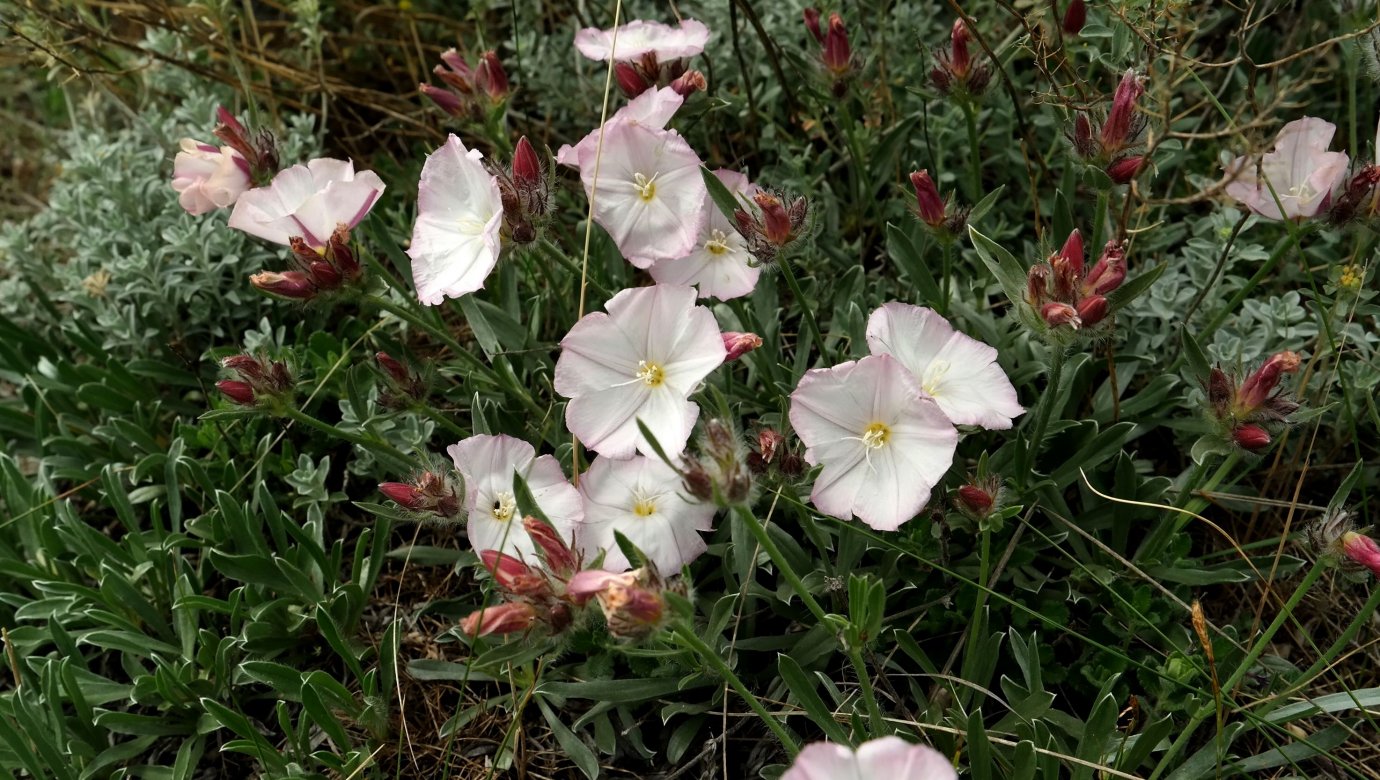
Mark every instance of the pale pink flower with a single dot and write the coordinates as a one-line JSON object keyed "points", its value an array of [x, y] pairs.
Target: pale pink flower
{"points": [[308, 201], [653, 108], [650, 196], [720, 264], [1363, 550], [960, 373], [455, 242], [883, 444], [207, 178], [639, 38], [641, 360], [488, 465], [1300, 171], [641, 499], [888, 758]]}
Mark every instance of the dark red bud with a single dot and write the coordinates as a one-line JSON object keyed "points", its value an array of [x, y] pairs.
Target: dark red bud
{"points": [[405, 496], [629, 80], [1258, 386], [689, 82], [239, 392], [1056, 314], [289, 285], [1075, 17], [1109, 271], [1092, 310], [776, 223], [526, 166], [975, 500], [324, 275], [739, 344], [1251, 437], [1037, 284], [490, 77], [1124, 170], [1117, 128], [838, 55], [959, 58], [443, 98], [812, 24], [929, 206], [393, 367]]}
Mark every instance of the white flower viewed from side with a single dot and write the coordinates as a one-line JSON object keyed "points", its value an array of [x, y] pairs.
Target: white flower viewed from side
{"points": [[649, 196], [641, 360], [653, 108], [207, 178], [308, 201], [488, 464], [639, 38], [641, 499], [960, 373], [888, 758], [456, 241], [883, 444], [720, 264]]}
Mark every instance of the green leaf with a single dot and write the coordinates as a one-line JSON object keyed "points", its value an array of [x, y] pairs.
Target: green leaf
{"points": [[1007, 270], [621, 691], [575, 748], [802, 687], [723, 197], [1131, 290], [907, 258], [1197, 361]]}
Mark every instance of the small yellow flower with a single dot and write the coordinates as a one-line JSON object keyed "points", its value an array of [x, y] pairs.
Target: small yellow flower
{"points": [[1351, 277], [94, 285]]}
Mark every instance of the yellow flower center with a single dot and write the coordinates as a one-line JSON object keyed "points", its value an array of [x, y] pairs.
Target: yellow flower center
{"points": [[646, 188], [717, 243], [504, 507], [644, 507], [934, 376], [470, 227], [876, 436], [650, 373]]}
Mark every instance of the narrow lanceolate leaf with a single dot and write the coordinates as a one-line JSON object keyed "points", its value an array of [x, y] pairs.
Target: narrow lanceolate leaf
{"points": [[721, 195], [1009, 272]]}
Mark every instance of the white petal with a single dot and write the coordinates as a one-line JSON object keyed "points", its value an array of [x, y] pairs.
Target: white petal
{"points": [[668, 535], [892, 758], [914, 335], [637, 38], [826, 761]]}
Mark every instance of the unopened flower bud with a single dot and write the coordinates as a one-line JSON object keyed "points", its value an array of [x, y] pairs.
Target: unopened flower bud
{"points": [[502, 619], [974, 500], [431, 493], [959, 58], [1068, 267], [1092, 310], [526, 165], [244, 365], [1055, 314], [1256, 390], [391, 366], [341, 256], [1083, 136], [1037, 284], [929, 206], [239, 392], [288, 285], [444, 99], [1109, 271], [555, 552], [490, 77], [630, 81], [1219, 390], [1075, 16], [404, 495], [689, 82], [776, 224], [812, 24], [456, 63], [1116, 131], [632, 612], [324, 275], [1362, 550], [838, 55], [739, 344], [515, 576], [1125, 169], [1251, 437]]}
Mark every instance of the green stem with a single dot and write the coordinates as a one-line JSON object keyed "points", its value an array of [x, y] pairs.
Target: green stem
{"points": [[709, 656], [806, 313], [782, 565], [944, 284], [970, 112], [1155, 543], [374, 445], [1255, 652], [440, 419], [868, 695], [984, 571], [1362, 617], [1043, 412]]}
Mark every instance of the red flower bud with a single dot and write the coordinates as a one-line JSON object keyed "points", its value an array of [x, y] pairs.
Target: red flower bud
{"points": [[1251, 437], [1116, 130], [405, 496], [503, 619], [1125, 169], [776, 224], [959, 58], [559, 558], [812, 24], [1109, 271], [446, 100], [490, 77], [324, 275], [739, 344], [244, 365], [1056, 314], [929, 206], [1362, 550], [391, 366], [526, 165], [1037, 284], [838, 55], [768, 442], [289, 285], [1256, 390], [1083, 136], [975, 500], [239, 392], [1075, 16], [629, 80], [1092, 310], [689, 82], [1068, 266], [457, 64]]}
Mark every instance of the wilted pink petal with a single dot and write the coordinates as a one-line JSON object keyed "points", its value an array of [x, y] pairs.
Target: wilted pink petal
{"points": [[308, 201], [639, 38], [207, 178]]}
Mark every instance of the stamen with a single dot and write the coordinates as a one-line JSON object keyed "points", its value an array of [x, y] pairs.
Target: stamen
{"points": [[504, 507], [651, 373], [717, 243], [646, 188], [934, 375]]}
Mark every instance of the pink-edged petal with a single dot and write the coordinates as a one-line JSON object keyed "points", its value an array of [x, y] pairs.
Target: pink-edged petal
{"points": [[455, 242], [913, 335], [637, 38], [892, 758], [653, 108], [606, 421], [825, 761]]}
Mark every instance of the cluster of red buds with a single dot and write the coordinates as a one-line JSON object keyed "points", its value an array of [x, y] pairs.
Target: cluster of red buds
{"points": [[1337, 541], [1075, 16], [320, 270], [525, 190], [1245, 412], [945, 219], [535, 595], [647, 72], [739, 344], [1114, 146], [473, 92], [835, 52], [954, 72], [774, 455], [776, 223], [260, 380], [632, 602], [720, 474], [402, 386], [432, 495], [1065, 294], [1359, 199], [258, 150]]}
